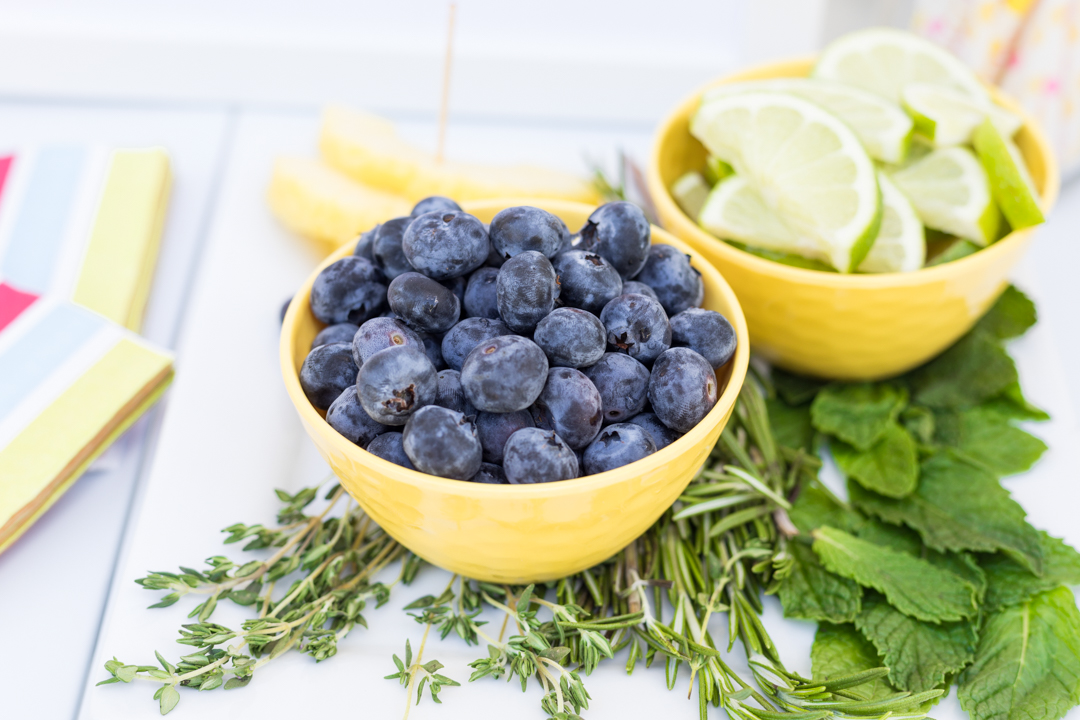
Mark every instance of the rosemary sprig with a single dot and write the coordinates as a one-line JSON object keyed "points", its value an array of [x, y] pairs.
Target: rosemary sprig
{"points": [[718, 550]]}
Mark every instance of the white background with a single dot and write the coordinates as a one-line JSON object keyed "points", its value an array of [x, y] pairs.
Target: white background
{"points": [[226, 86]]}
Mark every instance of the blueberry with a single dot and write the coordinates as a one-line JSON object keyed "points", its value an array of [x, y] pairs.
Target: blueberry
{"points": [[676, 283], [586, 280], [446, 244], [707, 333], [284, 309], [638, 288], [365, 244], [433, 349], [442, 442], [378, 334], [349, 290], [620, 233], [526, 290], [386, 248], [495, 429], [617, 445], [682, 388], [623, 384], [504, 374], [389, 446], [396, 382], [533, 455], [660, 433], [456, 285], [459, 341], [494, 259], [423, 303], [570, 405], [450, 395], [637, 325], [327, 371], [348, 417], [519, 229], [339, 333], [571, 338], [490, 475], [480, 296], [435, 203]]}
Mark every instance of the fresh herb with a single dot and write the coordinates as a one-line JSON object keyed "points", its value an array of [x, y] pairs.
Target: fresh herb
{"points": [[930, 575]]}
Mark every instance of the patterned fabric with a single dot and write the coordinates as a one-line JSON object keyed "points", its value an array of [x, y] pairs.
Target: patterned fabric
{"points": [[1031, 48]]}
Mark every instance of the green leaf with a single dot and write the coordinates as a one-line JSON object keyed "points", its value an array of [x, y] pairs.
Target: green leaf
{"points": [[1011, 316], [841, 650], [795, 389], [790, 425], [919, 655], [813, 593], [168, 699], [237, 682], [919, 421], [1012, 405], [815, 507], [987, 439], [891, 467], [860, 413], [915, 587], [1010, 583], [959, 507], [975, 369], [1027, 666]]}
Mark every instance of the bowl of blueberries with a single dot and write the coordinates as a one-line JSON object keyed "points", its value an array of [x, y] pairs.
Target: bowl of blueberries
{"points": [[508, 398]]}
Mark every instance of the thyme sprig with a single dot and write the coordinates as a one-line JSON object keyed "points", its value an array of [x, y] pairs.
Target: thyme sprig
{"points": [[718, 550]]}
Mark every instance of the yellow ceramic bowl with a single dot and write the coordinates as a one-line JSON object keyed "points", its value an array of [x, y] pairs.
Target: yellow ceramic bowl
{"points": [[517, 533], [845, 326]]}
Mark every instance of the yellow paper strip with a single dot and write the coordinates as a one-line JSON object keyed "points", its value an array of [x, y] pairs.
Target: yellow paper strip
{"points": [[119, 265]]}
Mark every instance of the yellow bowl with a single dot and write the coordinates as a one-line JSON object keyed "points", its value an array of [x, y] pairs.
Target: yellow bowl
{"points": [[518, 533], [850, 327]]}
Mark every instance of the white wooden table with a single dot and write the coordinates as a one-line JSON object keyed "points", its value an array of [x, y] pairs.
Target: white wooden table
{"points": [[197, 464]]}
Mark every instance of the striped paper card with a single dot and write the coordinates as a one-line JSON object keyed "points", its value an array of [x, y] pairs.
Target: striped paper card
{"points": [[70, 382], [84, 223]]}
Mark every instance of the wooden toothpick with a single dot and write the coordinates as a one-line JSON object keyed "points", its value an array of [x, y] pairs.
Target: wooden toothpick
{"points": [[444, 105]]}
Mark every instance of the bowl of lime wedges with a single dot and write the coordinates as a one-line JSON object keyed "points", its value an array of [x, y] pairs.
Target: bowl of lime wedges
{"points": [[866, 205]]}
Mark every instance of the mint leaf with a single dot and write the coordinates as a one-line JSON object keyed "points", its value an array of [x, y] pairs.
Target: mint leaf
{"points": [[1027, 666], [975, 369], [1012, 405], [795, 389], [906, 540], [958, 506], [1011, 316], [913, 586], [811, 592], [987, 439], [919, 655], [860, 413], [790, 425], [891, 467], [840, 650], [1010, 583], [919, 421], [816, 507]]}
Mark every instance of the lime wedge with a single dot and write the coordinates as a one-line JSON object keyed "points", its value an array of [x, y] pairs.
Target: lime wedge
{"points": [[716, 170], [1009, 179], [885, 61], [690, 192], [951, 192], [808, 167], [884, 128], [947, 116], [736, 211], [901, 244]]}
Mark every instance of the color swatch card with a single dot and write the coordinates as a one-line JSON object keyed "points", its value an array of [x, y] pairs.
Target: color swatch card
{"points": [[79, 234], [84, 223]]}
